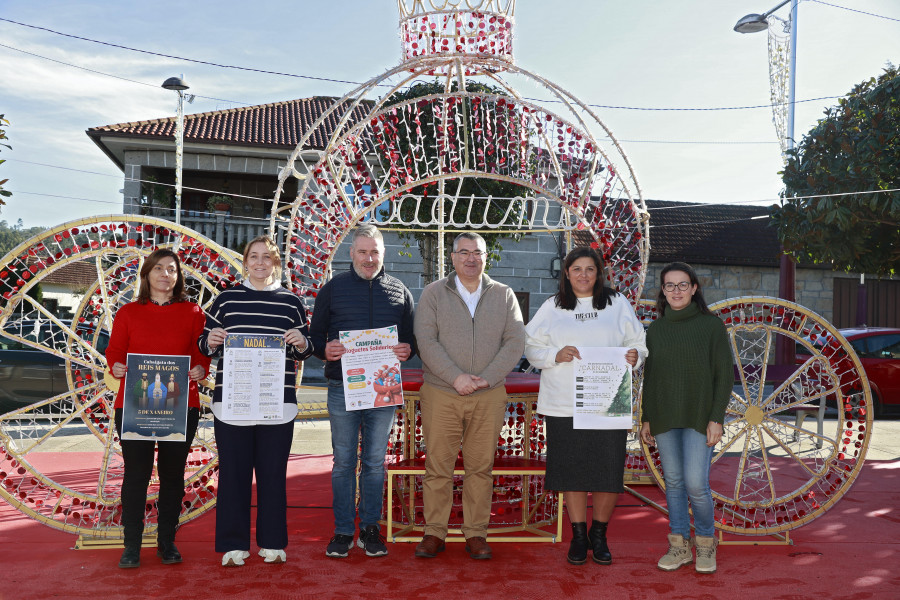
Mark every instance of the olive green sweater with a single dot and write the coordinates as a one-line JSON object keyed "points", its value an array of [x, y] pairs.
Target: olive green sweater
{"points": [[689, 373]]}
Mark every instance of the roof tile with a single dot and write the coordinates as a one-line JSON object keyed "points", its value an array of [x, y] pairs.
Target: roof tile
{"points": [[280, 124]]}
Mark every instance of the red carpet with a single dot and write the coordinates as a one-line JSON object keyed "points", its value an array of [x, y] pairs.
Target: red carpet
{"points": [[851, 552]]}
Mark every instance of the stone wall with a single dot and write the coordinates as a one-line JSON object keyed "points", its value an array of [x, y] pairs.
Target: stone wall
{"points": [[813, 287], [524, 265]]}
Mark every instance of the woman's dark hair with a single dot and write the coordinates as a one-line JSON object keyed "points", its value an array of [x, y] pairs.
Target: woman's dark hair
{"points": [[157, 255], [603, 294], [697, 298]]}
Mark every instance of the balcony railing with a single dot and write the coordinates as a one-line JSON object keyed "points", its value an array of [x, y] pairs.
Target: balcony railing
{"points": [[226, 230]]}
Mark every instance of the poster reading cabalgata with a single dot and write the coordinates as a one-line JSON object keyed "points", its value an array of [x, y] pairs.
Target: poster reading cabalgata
{"points": [[156, 398]]}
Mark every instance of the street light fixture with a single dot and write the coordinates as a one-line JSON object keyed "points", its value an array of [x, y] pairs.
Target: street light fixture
{"points": [[177, 84], [754, 23]]}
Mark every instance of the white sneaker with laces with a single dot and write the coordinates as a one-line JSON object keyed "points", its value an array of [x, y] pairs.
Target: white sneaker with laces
{"points": [[273, 556], [235, 558]]}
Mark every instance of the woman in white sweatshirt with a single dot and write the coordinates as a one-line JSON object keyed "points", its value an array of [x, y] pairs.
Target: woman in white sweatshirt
{"points": [[583, 313]]}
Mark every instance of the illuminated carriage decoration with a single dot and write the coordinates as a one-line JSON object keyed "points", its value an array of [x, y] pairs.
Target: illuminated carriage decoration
{"points": [[573, 176]]}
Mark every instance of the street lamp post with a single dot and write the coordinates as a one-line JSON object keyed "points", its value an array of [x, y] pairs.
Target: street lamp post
{"points": [[754, 23], [178, 84]]}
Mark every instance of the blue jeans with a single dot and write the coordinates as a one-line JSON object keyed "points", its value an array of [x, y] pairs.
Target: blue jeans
{"points": [[374, 425], [685, 461]]}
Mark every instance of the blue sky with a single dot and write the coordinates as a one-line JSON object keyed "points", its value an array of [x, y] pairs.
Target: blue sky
{"points": [[648, 54]]}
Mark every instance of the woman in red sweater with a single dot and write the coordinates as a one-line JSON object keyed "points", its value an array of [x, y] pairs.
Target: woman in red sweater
{"points": [[159, 321]]}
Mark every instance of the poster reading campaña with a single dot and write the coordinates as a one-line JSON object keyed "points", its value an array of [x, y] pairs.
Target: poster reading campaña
{"points": [[253, 377], [371, 369], [602, 389], [155, 401]]}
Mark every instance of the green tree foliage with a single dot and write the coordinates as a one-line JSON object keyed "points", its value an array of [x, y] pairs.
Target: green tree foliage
{"points": [[155, 198], [3, 193], [12, 236], [464, 188], [621, 404], [855, 148]]}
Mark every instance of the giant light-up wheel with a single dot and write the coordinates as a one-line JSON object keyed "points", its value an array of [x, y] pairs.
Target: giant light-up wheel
{"points": [[768, 474], [114, 247]]}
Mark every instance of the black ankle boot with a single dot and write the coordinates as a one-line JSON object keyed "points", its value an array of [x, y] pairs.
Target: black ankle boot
{"points": [[168, 552], [599, 549], [131, 557], [579, 544]]}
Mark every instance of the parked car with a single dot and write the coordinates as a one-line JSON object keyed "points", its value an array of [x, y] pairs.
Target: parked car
{"points": [[878, 349], [28, 374]]}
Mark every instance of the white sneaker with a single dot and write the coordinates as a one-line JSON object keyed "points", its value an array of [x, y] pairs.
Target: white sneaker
{"points": [[235, 558], [273, 556]]}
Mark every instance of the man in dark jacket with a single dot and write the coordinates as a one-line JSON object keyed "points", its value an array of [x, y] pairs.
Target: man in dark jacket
{"points": [[364, 297]]}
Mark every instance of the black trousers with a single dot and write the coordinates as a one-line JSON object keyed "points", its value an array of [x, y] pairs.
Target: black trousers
{"points": [[243, 450], [138, 459]]}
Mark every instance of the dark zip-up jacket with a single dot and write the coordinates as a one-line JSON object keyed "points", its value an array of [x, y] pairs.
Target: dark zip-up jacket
{"points": [[349, 302]]}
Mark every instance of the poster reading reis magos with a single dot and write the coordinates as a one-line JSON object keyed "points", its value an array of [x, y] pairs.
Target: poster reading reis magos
{"points": [[155, 401]]}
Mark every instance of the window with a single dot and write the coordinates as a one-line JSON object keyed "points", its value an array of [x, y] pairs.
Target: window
{"points": [[882, 346]]}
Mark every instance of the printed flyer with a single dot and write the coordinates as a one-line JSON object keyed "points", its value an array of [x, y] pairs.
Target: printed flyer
{"points": [[602, 389], [371, 369], [155, 402], [253, 377]]}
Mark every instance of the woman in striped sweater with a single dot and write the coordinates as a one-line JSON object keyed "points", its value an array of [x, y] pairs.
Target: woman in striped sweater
{"points": [[260, 306]]}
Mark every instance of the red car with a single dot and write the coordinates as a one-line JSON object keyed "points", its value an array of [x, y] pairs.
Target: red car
{"points": [[878, 349]]}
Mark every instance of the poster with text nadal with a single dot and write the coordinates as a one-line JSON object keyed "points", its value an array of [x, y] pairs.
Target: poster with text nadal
{"points": [[602, 389], [253, 377], [155, 402], [371, 370]]}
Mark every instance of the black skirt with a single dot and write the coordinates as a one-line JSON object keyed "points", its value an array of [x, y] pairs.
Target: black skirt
{"points": [[584, 460]]}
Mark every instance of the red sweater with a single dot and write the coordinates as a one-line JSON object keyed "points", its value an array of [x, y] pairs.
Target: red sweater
{"points": [[152, 329]]}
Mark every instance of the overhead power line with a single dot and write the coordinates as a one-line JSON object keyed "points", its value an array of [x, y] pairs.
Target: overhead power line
{"points": [[96, 72], [153, 85], [160, 54], [862, 12], [345, 81]]}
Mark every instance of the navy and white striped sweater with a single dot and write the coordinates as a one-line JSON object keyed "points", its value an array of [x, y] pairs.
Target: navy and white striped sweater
{"points": [[244, 310]]}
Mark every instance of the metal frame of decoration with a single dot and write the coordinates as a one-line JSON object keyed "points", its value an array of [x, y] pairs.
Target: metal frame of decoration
{"points": [[456, 28], [116, 245], [637, 470], [371, 166], [522, 510], [782, 479], [779, 77], [505, 138]]}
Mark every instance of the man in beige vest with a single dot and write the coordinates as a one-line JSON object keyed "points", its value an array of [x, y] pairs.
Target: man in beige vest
{"points": [[470, 334]]}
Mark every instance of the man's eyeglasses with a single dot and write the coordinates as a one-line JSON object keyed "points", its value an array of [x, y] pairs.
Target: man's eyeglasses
{"points": [[465, 254], [683, 286]]}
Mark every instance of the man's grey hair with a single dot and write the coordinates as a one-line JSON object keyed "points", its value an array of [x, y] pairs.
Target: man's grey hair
{"points": [[469, 235], [368, 231]]}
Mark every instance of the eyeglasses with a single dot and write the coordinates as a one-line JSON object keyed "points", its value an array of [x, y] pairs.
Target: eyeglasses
{"points": [[683, 286], [465, 254]]}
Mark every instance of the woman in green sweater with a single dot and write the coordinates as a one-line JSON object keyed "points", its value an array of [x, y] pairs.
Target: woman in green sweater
{"points": [[687, 384]]}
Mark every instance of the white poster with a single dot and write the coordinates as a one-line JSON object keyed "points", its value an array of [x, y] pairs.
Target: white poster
{"points": [[602, 389], [371, 370], [253, 377]]}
